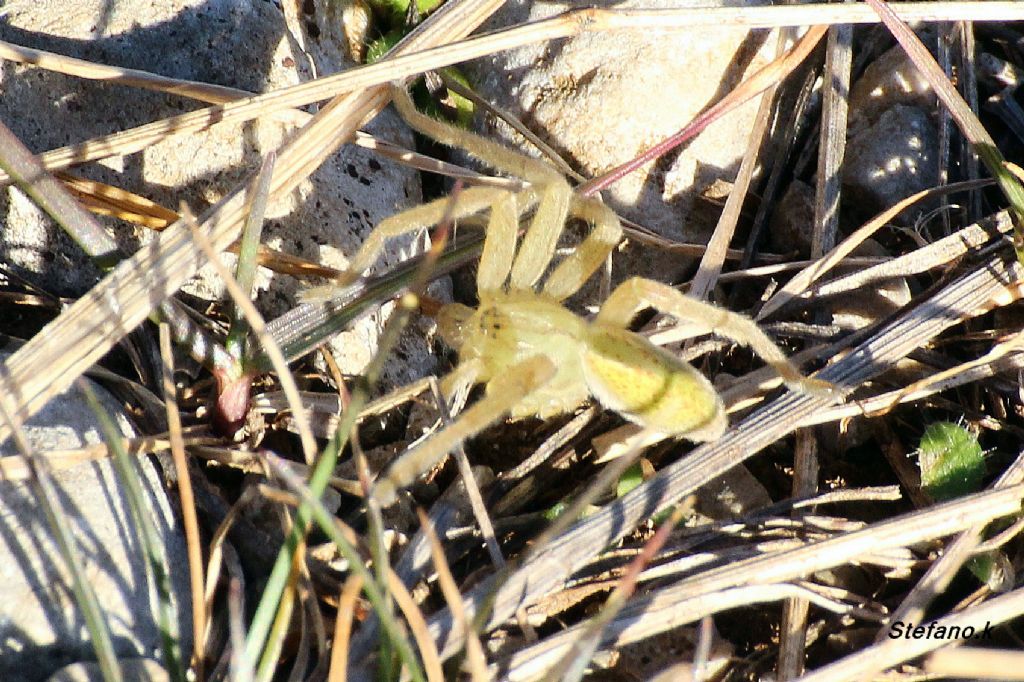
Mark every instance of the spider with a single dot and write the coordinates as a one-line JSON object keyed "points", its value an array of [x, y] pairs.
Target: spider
{"points": [[535, 356]]}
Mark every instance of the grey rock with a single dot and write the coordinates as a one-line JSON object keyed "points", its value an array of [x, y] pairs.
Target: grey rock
{"points": [[41, 626], [732, 495], [858, 310], [601, 98], [792, 223], [241, 43], [891, 159], [890, 80]]}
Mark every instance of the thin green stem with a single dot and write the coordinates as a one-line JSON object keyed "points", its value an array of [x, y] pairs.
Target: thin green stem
{"points": [[85, 597], [149, 539], [248, 251]]}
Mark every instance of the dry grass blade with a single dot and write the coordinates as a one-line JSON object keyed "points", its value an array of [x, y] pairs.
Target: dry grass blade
{"points": [[107, 200], [474, 650], [569, 558], [555, 561], [832, 143], [757, 83], [64, 538], [219, 94], [563, 26], [711, 262], [18, 468], [574, 662], [83, 333], [711, 591], [975, 663], [347, 601], [240, 671], [659, 614], [344, 538], [259, 327], [885, 400], [965, 118], [810, 274], [936, 254], [82, 68], [476, 500], [50, 195], [148, 538], [874, 659], [941, 573], [103, 199], [420, 633], [1000, 350], [188, 504], [217, 554]]}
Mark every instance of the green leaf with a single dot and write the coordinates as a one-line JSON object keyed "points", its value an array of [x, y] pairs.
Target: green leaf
{"points": [[556, 510], [379, 47], [631, 478], [464, 108], [994, 569], [951, 460]]}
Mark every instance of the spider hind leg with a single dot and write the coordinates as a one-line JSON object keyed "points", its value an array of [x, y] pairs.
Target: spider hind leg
{"points": [[505, 391]]}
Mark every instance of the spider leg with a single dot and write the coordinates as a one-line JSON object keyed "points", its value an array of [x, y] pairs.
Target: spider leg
{"points": [[503, 393], [578, 266], [495, 155], [499, 244], [538, 245], [638, 293], [470, 201], [461, 378]]}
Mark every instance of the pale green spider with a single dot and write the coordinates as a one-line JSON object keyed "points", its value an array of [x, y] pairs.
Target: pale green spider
{"points": [[536, 357]]}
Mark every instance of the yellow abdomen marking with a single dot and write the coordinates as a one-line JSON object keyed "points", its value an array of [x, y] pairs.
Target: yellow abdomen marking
{"points": [[650, 386]]}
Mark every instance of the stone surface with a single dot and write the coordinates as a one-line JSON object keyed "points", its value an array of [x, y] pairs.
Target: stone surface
{"points": [[601, 98], [241, 43], [41, 626], [889, 80], [792, 223], [732, 495], [871, 304], [892, 139], [891, 159]]}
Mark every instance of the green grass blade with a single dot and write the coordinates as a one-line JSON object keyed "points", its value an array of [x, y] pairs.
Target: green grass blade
{"points": [[264, 616], [50, 195], [86, 599], [302, 329], [374, 593], [128, 469], [248, 250]]}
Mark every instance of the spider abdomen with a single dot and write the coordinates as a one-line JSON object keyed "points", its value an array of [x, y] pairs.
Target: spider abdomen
{"points": [[650, 386]]}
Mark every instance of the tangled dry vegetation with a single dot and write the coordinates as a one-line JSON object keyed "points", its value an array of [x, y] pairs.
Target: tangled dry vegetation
{"points": [[577, 540]]}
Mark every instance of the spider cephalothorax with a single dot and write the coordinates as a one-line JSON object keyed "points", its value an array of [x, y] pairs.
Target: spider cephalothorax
{"points": [[535, 356]]}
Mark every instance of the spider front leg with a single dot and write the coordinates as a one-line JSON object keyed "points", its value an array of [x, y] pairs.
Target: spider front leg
{"points": [[469, 202], [638, 293], [502, 394], [553, 193], [578, 266]]}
